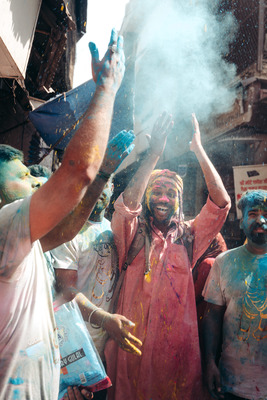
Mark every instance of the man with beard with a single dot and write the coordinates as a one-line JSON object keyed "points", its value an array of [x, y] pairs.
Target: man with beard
{"points": [[237, 294], [157, 292]]}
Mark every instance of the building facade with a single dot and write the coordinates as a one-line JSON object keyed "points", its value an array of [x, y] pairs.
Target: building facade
{"points": [[37, 49]]}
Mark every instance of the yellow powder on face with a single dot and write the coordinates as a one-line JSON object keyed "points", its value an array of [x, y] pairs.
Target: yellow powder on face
{"points": [[148, 196], [175, 178]]}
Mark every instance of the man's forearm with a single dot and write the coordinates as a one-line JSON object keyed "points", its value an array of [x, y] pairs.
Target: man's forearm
{"points": [[212, 331], [134, 192], [87, 148], [213, 180], [70, 226]]}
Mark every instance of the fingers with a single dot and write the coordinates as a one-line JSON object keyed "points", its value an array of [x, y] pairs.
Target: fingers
{"points": [[95, 58], [134, 339], [87, 394], [116, 44], [127, 152], [128, 139], [128, 341], [120, 42], [218, 388], [122, 141], [113, 37], [73, 394], [195, 122], [163, 124], [168, 125], [214, 385], [126, 345], [94, 52], [148, 138], [131, 348]]}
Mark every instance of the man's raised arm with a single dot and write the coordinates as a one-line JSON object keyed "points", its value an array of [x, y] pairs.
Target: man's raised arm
{"points": [[133, 194], [118, 148], [85, 152], [216, 188]]}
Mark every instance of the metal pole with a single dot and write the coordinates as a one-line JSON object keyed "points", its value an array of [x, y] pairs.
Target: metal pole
{"points": [[261, 33]]}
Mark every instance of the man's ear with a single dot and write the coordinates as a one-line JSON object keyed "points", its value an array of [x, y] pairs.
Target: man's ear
{"points": [[241, 223]]}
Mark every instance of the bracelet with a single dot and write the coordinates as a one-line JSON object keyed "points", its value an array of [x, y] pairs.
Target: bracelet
{"points": [[95, 326], [103, 175], [103, 321]]}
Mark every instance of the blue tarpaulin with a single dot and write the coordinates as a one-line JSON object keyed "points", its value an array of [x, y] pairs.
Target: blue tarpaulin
{"points": [[59, 118]]}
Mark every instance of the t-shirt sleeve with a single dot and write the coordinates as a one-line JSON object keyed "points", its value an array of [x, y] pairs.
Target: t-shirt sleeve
{"points": [[124, 224], [206, 225], [66, 256], [212, 291], [15, 237]]}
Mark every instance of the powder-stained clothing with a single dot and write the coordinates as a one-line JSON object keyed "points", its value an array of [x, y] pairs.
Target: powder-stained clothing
{"points": [[238, 280], [93, 255], [29, 356], [200, 275], [162, 305]]}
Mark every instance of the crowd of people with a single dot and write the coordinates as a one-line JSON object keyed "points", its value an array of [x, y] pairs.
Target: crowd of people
{"points": [[149, 284]]}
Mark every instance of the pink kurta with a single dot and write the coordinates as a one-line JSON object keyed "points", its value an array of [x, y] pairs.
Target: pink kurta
{"points": [[162, 305]]}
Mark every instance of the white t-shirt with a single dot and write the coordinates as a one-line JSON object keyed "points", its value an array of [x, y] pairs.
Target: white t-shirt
{"points": [[92, 253], [29, 356], [238, 280]]}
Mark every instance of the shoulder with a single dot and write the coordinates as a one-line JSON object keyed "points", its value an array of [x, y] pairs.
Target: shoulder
{"points": [[106, 224], [15, 208], [15, 238], [15, 217], [230, 260], [236, 252]]}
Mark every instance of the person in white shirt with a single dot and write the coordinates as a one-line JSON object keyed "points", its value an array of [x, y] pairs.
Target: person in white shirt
{"points": [[29, 358]]}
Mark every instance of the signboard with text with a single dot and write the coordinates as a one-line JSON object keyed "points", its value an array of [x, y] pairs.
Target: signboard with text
{"points": [[249, 177]]}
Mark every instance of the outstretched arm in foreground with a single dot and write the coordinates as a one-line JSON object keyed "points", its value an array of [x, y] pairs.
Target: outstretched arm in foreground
{"points": [[118, 149], [133, 194], [114, 324], [212, 332], [85, 152], [216, 188]]}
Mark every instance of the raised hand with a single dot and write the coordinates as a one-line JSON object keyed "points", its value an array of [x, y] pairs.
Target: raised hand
{"points": [[118, 149], [109, 71], [160, 131], [116, 325], [196, 140]]}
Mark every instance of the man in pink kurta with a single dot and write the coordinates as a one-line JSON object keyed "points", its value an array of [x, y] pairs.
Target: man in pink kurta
{"points": [[161, 302]]}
